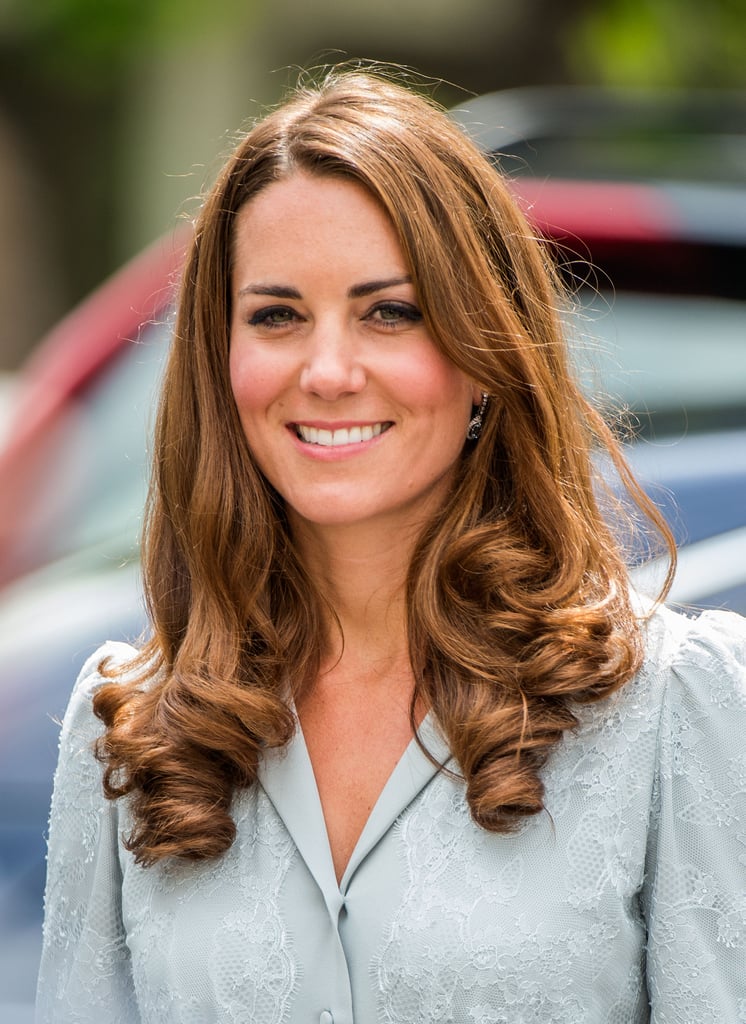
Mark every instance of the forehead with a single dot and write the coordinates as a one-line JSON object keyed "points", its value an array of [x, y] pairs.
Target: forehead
{"points": [[307, 219]]}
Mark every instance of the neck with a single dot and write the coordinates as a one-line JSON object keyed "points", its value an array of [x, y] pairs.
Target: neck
{"points": [[361, 572]]}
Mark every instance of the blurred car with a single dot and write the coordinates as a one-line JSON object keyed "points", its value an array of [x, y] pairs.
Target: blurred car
{"points": [[645, 201], [72, 485], [644, 197]]}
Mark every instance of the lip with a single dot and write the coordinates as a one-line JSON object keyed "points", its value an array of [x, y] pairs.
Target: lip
{"points": [[335, 424], [365, 434]]}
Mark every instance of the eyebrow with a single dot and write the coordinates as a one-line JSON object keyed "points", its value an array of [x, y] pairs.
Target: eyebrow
{"points": [[358, 291], [278, 291]]}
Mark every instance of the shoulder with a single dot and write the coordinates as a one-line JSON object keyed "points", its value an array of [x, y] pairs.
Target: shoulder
{"points": [[695, 866], [689, 691], [111, 651], [694, 686], [77, 780], [110, 654], [701, 658], [79, 721]]}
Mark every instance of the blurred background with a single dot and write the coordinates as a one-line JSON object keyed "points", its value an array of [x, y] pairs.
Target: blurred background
{"points": [[114, 113], [622, 125]]}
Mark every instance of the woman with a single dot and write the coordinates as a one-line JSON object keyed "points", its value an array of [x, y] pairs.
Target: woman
{"points": [[402, 747]]}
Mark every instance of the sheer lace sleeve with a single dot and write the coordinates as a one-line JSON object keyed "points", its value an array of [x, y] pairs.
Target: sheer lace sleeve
{"points": [[85, 972], [695, 892]]}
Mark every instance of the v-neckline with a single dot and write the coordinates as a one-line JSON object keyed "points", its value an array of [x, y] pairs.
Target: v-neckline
{"points": [[287, 777]]}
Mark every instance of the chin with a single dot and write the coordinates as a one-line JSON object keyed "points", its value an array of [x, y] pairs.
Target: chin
{"points": [[330, 517]]}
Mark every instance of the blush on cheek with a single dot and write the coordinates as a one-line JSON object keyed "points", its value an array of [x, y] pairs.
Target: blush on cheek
{"points": [[257, 379], [434, 380], [250, 390]]}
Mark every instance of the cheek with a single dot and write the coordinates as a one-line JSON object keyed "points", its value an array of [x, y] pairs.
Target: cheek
{"points": [[253, 381], [434, 382]]}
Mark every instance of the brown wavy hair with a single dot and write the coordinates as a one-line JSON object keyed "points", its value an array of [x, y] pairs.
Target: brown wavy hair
{"points": [[518, 600]]}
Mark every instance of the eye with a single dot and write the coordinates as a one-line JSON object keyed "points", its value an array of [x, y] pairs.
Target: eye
{"points": [[394, 314], [273, 316]]}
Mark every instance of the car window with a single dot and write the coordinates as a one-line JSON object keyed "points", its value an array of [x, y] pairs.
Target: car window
{"points": [[92, 469], [677, 362]]}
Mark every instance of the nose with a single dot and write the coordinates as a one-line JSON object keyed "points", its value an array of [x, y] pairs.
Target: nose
{"points": [[331, 367]]}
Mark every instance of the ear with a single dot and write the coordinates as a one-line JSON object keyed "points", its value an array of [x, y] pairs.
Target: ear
{"points": [[476, 395]]}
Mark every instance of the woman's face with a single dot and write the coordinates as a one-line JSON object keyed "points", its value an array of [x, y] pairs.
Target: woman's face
{"points": [[350, 410]]}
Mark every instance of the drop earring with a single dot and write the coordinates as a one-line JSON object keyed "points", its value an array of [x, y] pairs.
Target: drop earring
{"points": [[475, 423]]}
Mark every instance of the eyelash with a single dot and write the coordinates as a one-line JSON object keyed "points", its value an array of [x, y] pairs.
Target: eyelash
{"points": [[262, 317], [404, 312]]}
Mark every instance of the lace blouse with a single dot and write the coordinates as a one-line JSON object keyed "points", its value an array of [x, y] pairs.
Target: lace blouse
{"points": [[623, 903]]}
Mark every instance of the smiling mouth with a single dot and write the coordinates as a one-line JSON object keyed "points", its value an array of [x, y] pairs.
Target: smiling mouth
{"points": [[342, 436]]}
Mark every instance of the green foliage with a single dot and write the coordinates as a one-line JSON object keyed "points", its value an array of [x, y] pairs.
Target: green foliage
{"points": [[88, 41], [661, 43]]}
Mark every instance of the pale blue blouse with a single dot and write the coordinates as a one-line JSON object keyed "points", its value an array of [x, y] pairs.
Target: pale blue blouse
{"points": [[625, 902]]}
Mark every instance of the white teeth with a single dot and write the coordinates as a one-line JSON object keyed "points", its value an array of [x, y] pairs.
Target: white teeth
{"points": [[336, 438]]}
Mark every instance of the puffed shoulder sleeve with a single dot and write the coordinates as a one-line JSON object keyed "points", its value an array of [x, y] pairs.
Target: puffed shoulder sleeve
{"points": [[695, 891], [85, 972]]}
